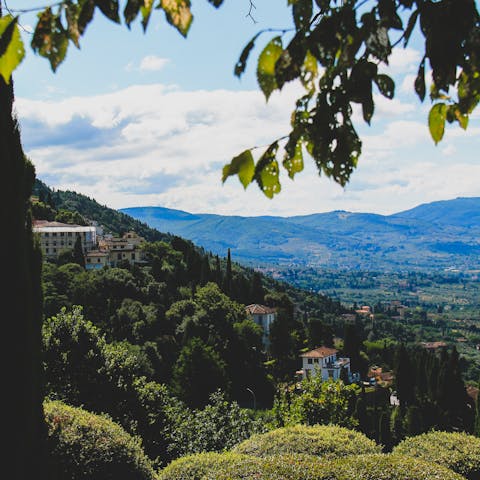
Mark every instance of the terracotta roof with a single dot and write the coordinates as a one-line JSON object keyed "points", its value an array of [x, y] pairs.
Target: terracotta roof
{"points": [[258, 309], [434, 344], [320, 352], [97, 253]]}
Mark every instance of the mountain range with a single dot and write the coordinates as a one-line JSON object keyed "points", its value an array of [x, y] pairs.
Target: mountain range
{"points": [[438, 235]]}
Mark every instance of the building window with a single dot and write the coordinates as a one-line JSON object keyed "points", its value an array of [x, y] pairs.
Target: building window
{"points": [[46, 250], [309, 361], [69, 234], [133, 256], [54, 234], [98, 260], [62, 234], [46, 234], [119, 256], [316, 360]]}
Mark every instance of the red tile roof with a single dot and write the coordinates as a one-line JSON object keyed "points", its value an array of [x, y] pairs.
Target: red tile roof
{"points": [[320, 352], [257, 309]]}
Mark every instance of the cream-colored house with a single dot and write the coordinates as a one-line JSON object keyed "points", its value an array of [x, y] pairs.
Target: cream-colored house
{"points": [[123, 249], [324, 361]]}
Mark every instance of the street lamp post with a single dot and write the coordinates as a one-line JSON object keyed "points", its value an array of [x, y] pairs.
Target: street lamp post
{"points": [[254, 398]]}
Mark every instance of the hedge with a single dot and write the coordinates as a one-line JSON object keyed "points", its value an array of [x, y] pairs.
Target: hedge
{"points": [[457, 451], [200, 464], [326, 441], [302, 467], [82, 445]]}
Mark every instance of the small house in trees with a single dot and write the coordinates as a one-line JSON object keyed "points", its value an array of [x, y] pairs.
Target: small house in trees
{"points": [[324, 361], [263, 316]]}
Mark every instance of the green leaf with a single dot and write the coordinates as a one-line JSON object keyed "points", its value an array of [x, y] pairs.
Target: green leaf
{"points": [[267, 172], [50, 39], [436, 121], [131, 10], [86, 14], [266, 66], [410, 26], [7, 33], [293, 161], [242, 61], [302, 12], [215, 3], [109, 8], [386, 85], [419, 85], [14, 52], [146, 11], [242, 165], [461, 118], [72, 14], [178, 14]]}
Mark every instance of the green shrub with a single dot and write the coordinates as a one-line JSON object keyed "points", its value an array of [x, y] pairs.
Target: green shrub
{"points": [[82, 445], [361, 467], [199, 465], [214, 466], [326, 441], [458, 451]]}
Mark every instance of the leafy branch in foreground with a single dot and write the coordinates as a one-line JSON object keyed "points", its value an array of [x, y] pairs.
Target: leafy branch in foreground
{"points": [[335, 52]]}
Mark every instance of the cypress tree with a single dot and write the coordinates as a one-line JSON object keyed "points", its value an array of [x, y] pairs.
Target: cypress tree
{"points": [[22, 425], [228, 274], [396, 426], [477, 414], [384, 434], [404, 379], [256, 293], [78, 256]]}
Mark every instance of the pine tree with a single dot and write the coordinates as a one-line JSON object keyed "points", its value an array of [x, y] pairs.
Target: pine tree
{"points": [[22, 423]]}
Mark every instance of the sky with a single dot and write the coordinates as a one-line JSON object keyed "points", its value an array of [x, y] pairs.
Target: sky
{"points": [[149, 119]]}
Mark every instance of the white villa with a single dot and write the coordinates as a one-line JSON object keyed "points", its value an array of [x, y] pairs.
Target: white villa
{"points": [[323, 361], [56, 236], [263, 316]]}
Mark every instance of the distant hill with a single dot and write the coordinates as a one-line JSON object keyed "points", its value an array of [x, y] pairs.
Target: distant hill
{"points": [[437, 235]]}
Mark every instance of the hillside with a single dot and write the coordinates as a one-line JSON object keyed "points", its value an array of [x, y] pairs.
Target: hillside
{"points": [[438, 235]]}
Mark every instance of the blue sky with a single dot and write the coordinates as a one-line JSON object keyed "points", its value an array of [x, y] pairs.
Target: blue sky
{"points": [[136, 119]]}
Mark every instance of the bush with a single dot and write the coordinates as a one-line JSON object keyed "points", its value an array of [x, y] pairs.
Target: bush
{"points": [[326, 441], [82, 445], [458, 451], [198, 465], [300, 466]]}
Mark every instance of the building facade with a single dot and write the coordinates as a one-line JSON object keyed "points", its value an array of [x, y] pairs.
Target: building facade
{"points": [[56, 237], [324, 361], [263, 316]]}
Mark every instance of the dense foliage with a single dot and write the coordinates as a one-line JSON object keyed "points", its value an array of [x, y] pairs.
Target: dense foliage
{"points": [[82, 445], [324, 441], [458, 451], [298, 467]]}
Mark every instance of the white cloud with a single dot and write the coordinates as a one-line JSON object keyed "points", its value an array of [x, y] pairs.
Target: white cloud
{"points": [[157, 145], [152, 63]]}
